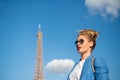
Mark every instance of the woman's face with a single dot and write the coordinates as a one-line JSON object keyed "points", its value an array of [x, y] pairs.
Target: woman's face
{"points": [[83, 45]]}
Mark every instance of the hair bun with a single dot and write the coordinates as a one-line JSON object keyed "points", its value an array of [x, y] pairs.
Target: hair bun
{"points": [[95, 35], [91, 33]]}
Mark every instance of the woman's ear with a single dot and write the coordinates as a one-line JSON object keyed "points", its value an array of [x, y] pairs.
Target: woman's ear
{"points": [[91, 44]]}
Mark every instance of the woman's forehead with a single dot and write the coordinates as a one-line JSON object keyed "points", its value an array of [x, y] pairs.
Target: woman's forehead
{"points": [[82, 37]]}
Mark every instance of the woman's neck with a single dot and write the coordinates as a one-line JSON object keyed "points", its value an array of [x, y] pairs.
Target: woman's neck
{"points": [[85, 55]]}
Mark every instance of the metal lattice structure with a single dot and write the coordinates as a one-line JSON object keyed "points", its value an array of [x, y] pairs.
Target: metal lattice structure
{"points": [[39, 75]]}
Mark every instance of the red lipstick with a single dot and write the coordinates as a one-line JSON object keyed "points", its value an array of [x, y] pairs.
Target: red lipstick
{"points": [[78, 48]]}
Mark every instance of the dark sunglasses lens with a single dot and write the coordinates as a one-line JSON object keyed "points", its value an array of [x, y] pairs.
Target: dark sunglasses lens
{"points": [[76, 42], [81, 41]]}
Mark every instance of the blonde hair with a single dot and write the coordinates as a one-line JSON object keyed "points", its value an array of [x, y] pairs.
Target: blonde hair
{"points": [[91, 35]]}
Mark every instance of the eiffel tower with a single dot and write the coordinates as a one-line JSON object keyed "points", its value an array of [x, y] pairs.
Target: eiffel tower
{"points": [[39, 75]]}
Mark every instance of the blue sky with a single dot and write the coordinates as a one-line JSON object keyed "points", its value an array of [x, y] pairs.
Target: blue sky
{"points": [[60, 20]]}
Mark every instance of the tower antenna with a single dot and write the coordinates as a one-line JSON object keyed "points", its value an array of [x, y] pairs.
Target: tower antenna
{"points": [[39, 27]]}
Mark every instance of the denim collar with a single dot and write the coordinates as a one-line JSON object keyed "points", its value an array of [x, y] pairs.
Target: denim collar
{"points": [[86, 66]]}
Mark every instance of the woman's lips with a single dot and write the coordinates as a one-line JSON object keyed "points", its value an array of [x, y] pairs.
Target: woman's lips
{"points": [[78, 48]]}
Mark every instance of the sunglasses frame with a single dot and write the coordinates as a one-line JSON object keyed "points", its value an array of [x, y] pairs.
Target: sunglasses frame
{"points": [[81, 41]]}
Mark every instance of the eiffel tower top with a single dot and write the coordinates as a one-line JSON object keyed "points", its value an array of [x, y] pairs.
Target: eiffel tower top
{"points": [[39, 31], [39, 71]]}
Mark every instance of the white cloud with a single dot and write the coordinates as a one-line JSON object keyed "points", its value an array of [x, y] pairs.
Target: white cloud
{"points": [[104, 7], [59, 66]]}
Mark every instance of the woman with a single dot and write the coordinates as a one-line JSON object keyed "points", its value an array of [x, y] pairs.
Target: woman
{"points": [[89, 66]]}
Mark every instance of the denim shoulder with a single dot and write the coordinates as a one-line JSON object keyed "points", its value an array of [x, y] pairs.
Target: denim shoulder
{"points": [[100, 64], [101, 69]]}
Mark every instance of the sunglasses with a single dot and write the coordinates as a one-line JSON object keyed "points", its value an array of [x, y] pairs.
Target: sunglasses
{"points": [[81, 41]]}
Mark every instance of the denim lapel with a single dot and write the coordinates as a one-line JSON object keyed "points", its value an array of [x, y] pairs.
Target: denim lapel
{"points": [[85, 68]]}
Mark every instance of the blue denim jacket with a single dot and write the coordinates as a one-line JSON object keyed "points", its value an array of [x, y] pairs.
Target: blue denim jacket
{"points": [[101, 70]]}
